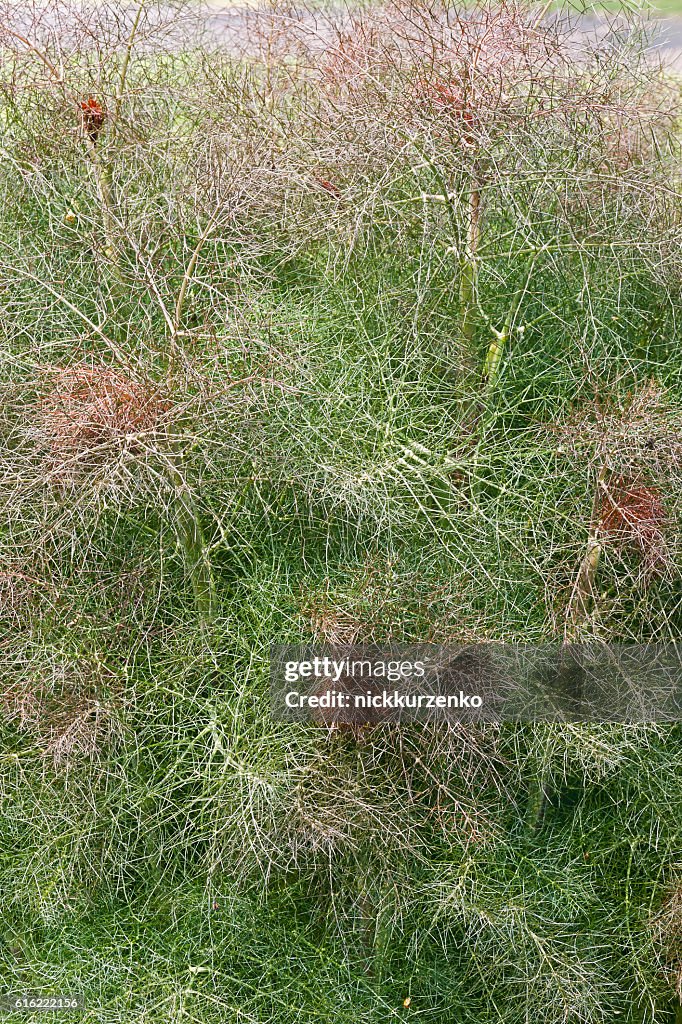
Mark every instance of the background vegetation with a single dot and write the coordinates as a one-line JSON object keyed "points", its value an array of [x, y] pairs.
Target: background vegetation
{"points": [[354, 327]]}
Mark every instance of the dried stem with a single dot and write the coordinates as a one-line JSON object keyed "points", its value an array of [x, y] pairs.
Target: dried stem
{"points": [[582, 596], [104, 180], [469, 271]]}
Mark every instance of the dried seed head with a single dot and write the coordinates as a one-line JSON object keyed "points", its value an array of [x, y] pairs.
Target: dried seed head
{"points": [[638, 439], [63, 708], [449, 100], [348, 720], [633, 513], [87, 408], [93, 117], [331, 623], [328, 186]]}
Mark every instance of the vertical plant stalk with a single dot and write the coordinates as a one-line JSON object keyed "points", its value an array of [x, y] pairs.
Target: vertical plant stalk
{"points": [[185, 513], [192, 541], [103, 169], [468, 280], [498, 345], [104, 181], [126, 64], [582, 596], [538, 799], [493, 356], [185, 283]]}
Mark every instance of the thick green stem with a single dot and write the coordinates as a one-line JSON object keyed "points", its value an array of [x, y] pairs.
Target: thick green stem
{"points": [[537, 802], [496, 348], [193, 543], [493, 356]]}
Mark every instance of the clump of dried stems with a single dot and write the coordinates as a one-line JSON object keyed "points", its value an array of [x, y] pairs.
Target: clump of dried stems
{"points": [[86, 409]]}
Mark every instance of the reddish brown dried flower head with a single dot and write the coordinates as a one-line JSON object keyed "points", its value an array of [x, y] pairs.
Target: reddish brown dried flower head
{"points": [[633, 513], [448, 99], [328, 186], [86, 408], [93, 117]]}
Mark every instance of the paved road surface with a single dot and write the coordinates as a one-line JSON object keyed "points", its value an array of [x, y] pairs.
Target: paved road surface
{"points": [[232, 24]]}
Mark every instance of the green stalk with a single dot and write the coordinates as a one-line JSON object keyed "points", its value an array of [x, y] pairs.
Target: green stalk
{"points": [[191, 538], [469, 272], [496, 348], [493, 357], [537, 802]]}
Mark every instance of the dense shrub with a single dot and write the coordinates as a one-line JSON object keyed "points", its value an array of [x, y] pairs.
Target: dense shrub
{"points": [[354, 325]]}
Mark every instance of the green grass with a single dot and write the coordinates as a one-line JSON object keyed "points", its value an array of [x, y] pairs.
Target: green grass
{"points": [[668, 7]]}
